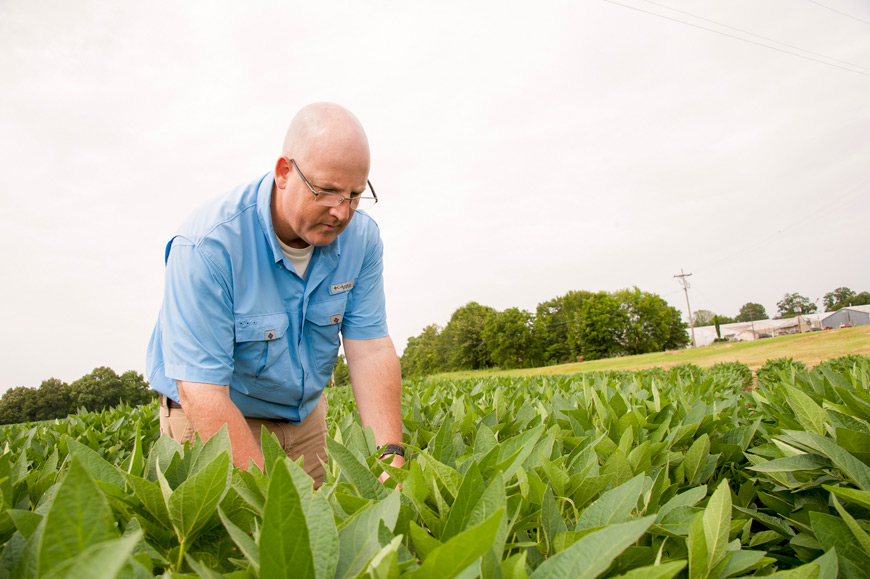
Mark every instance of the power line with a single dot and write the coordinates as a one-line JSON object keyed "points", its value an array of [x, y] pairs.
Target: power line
{"points": [[839, 12], [757, 35], [740, 38]]}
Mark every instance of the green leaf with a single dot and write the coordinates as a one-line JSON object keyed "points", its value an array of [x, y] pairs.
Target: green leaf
{"points": [[594, 553], [284, 542], [242, 540], [96, 465], [322, 534], [689, 498], [809, 414], [359, 475], [861, 498], [193, 503], [832, 532], [854, 469], [455, 555], [551, 520], [717, 524], [742, 562], [695, 458], [358, 536], [441, 447], [151, 497], [100, 561], [137, 461], [424, 543], [614, 506], [272, 450], [162, 451], [793, 463], [859, 533], [79, 518], [663, 571], [699, 567]]}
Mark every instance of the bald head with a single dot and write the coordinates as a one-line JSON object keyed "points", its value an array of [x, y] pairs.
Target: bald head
{"points": [[325, 129]]}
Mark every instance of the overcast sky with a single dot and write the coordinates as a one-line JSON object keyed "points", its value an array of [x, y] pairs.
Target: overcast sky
{"points": [[520, 150]]}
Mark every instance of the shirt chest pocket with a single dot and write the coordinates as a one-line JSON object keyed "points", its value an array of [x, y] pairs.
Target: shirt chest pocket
{"points": [[262, 348], [323, 323]]}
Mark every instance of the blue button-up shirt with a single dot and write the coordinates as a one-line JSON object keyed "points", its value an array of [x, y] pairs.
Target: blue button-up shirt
{"points": [[235, 312]]}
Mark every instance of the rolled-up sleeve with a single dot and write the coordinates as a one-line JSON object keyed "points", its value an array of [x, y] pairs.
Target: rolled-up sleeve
{"points": [[197, 317]]}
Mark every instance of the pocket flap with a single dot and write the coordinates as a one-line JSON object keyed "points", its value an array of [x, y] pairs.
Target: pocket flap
{"points": [[328, 312], [261, 327]]}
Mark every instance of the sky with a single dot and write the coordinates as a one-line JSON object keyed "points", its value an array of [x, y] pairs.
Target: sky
{"points": [[519, 151]]}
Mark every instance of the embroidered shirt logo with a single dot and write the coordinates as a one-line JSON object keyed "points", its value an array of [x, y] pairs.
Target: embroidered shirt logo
{"points": [[341, 287], [335, 319], [270, 335]]}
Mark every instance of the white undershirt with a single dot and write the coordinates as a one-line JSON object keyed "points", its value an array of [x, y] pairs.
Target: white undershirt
{"points": [[300, 258]]}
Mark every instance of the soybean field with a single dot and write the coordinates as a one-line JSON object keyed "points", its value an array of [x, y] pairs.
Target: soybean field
{"points": [[685, 472]]}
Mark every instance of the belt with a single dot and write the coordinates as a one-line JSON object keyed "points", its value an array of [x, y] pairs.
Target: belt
{"points": [[169, 403]]}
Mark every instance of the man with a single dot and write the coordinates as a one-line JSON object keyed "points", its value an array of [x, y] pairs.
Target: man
{"points": [[259, 284]]}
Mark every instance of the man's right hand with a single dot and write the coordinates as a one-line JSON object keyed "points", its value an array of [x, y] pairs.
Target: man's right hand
{"points": [[208, 407]]}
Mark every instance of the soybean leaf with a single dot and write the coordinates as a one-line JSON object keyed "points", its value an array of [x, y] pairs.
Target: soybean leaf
{"points": [[96, 465], [717, 524], [455, 555], [424, 543], [663, 571], [193, 503], [79, 517], [242, 540], [284, 542], [699, 557], [689, 498], [441, 447], [162, 451], [322, 534], [809, 414], [359, 475], [551, 520], [594, 553], [793, 463], [832, 532], [695, 458], [614, 506], [859, 533], [272, 450], [861, 498], [854, 469], [358, 536], [100, 561], [151, 497], [741, 562]]}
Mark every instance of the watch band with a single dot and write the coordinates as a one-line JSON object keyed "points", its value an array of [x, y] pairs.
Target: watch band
{"points": [[389, 449]]}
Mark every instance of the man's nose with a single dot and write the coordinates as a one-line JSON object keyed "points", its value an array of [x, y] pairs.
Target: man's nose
{"points": [[341, 212]]}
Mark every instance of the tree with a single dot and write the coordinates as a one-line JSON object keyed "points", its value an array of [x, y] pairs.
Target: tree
{"points": [[51, 400], [102, 388], [509, 339], [557, 331], [340, 373], [793, 304], [602, 324], [420, 357], [840, 297], [17, 405], [751, 311], [651, 324], [703, 318], [463, 337]]}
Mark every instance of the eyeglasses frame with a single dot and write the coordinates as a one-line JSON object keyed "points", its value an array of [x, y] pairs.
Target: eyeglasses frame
{"points": [[349, 200]]}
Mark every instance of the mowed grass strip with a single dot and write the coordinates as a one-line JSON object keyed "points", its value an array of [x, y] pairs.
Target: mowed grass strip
{"points": [[809, 348]]}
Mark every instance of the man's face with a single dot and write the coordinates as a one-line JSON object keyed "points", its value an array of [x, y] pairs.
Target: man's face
{"points": [[298, 219]]}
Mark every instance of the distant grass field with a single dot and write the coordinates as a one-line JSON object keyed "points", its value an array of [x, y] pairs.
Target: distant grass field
{"points": [[810, 348]]}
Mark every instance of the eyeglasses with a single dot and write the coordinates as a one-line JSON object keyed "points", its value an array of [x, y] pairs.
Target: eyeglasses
{"points": [[328, 199]]}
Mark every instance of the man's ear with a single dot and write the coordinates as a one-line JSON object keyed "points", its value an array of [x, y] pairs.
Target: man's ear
{"points": [[282, 172]]}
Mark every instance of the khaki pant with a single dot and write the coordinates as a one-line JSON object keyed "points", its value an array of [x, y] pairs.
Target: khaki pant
{"points": [[308, 438]]}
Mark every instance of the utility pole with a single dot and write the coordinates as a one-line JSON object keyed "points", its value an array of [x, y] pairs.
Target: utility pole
{"points": [[686, 286]]}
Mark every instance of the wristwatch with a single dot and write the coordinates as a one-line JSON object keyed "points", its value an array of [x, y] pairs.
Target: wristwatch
{"points": [[389, 449]]}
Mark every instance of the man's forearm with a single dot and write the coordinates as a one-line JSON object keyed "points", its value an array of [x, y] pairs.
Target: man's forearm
{"points": [[377, 387], [209, 407]]}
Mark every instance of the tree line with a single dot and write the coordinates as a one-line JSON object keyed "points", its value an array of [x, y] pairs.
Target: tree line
{"points": [[100, 389], [791, 305], [577, 325]]}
